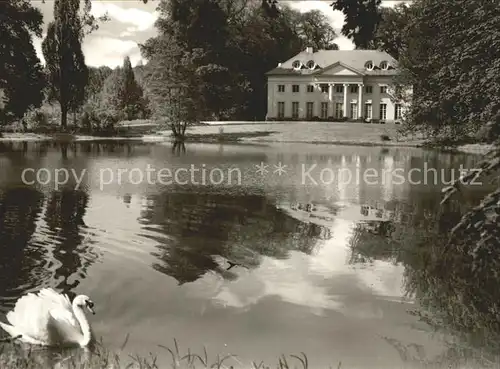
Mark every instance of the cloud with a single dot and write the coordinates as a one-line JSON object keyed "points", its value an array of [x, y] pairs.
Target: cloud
{"points": [[141, 20], [100, 51], [321, 281], [110, 51], [37, 44], [393, 3], [335, 16]]}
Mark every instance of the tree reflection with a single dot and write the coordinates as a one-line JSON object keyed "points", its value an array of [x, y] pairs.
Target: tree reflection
{"points": [[457, 289], [64, 218], [202, 228], [19, 261], [178, 148]]}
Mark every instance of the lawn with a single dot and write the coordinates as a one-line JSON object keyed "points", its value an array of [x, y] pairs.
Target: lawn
{"points": [[311, 132]]}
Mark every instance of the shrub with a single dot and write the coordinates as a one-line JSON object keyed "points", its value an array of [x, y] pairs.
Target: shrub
{"points": [[385, 138], [35, 120]]}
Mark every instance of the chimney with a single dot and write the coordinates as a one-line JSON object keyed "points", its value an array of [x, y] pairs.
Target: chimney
{"points": [[309, 50]]}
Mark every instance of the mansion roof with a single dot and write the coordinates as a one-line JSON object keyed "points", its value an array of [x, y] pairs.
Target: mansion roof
{"points": [[361, 62]]}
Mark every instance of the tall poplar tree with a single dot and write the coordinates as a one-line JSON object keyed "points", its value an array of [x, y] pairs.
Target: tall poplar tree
{"points": [[130, 94], [62, 49]]}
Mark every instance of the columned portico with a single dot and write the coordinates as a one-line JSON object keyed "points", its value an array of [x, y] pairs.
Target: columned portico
{"points": [[314, 85], [345, 99]]}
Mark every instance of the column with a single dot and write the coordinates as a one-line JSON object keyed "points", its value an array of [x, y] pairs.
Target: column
{"points": [[345, 99], [360, 100], [330, 91]]}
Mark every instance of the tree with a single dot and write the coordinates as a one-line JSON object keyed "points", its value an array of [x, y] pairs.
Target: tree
{"points": [[258, 44], [451, 66], [195, 34], [21, 74], [130, 94], [68, 74], [390, 35], [172, 85], [96, 79], [313, 28], [361, 19], [454, 69]]}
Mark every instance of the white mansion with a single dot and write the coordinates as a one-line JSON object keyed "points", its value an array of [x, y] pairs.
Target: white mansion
{"points": [[334, 85]]}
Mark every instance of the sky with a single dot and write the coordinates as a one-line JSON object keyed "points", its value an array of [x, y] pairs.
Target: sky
{"points": [[132, 22]]}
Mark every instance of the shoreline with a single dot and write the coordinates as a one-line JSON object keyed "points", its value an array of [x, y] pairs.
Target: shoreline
{"points": [[241, 138]]}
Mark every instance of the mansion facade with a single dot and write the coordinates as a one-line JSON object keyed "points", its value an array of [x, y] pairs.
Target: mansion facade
{"points": [[334, 85]]}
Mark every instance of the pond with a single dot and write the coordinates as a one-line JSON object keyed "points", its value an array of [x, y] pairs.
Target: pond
{"points": [[252, 250]]}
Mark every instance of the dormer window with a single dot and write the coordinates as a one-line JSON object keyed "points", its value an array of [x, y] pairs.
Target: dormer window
{"points": [[384, 65], [311, 64], [369, 65], [297, 64]]}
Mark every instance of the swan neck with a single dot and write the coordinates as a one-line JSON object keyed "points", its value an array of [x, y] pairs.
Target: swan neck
{"points": [[84, 325]]}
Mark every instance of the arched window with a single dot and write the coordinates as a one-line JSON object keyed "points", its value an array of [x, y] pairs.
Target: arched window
{"points": [[369, 65], [297, 64]]}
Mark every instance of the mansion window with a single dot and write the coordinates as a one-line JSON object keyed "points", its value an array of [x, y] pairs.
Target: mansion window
{"points": [[324, 110], [324, 88], [281, 109], [354, 110], [295, 109], [383, 111], [383, 89], [368, 111], [354, 89], [309, 110], [281, 88], [295, 88], [339, 112], [369, 89], [310, 88], [339, 88], [398, 111]]}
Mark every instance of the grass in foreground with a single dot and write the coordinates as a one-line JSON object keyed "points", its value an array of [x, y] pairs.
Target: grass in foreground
{"points": [[18, 356]]}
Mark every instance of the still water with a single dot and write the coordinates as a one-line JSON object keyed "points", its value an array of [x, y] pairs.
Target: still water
{"points": [[310, 276]]}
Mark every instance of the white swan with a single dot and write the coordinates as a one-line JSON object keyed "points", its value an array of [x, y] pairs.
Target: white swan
{"points": [[49, 319]]}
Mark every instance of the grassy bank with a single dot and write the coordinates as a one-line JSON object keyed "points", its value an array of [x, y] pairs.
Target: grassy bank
{"points": [[20, 357], [14, 356], [226, 137], [329, 133], [309, 132]]}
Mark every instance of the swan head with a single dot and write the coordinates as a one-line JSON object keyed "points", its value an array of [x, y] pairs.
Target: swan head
{"points": [[83, 301]]}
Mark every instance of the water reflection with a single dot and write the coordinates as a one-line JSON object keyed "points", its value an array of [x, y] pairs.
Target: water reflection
{"points": [[328, 256], [453, 297], [44, 241], [20, 262], [203, 228], [64, 218]]}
